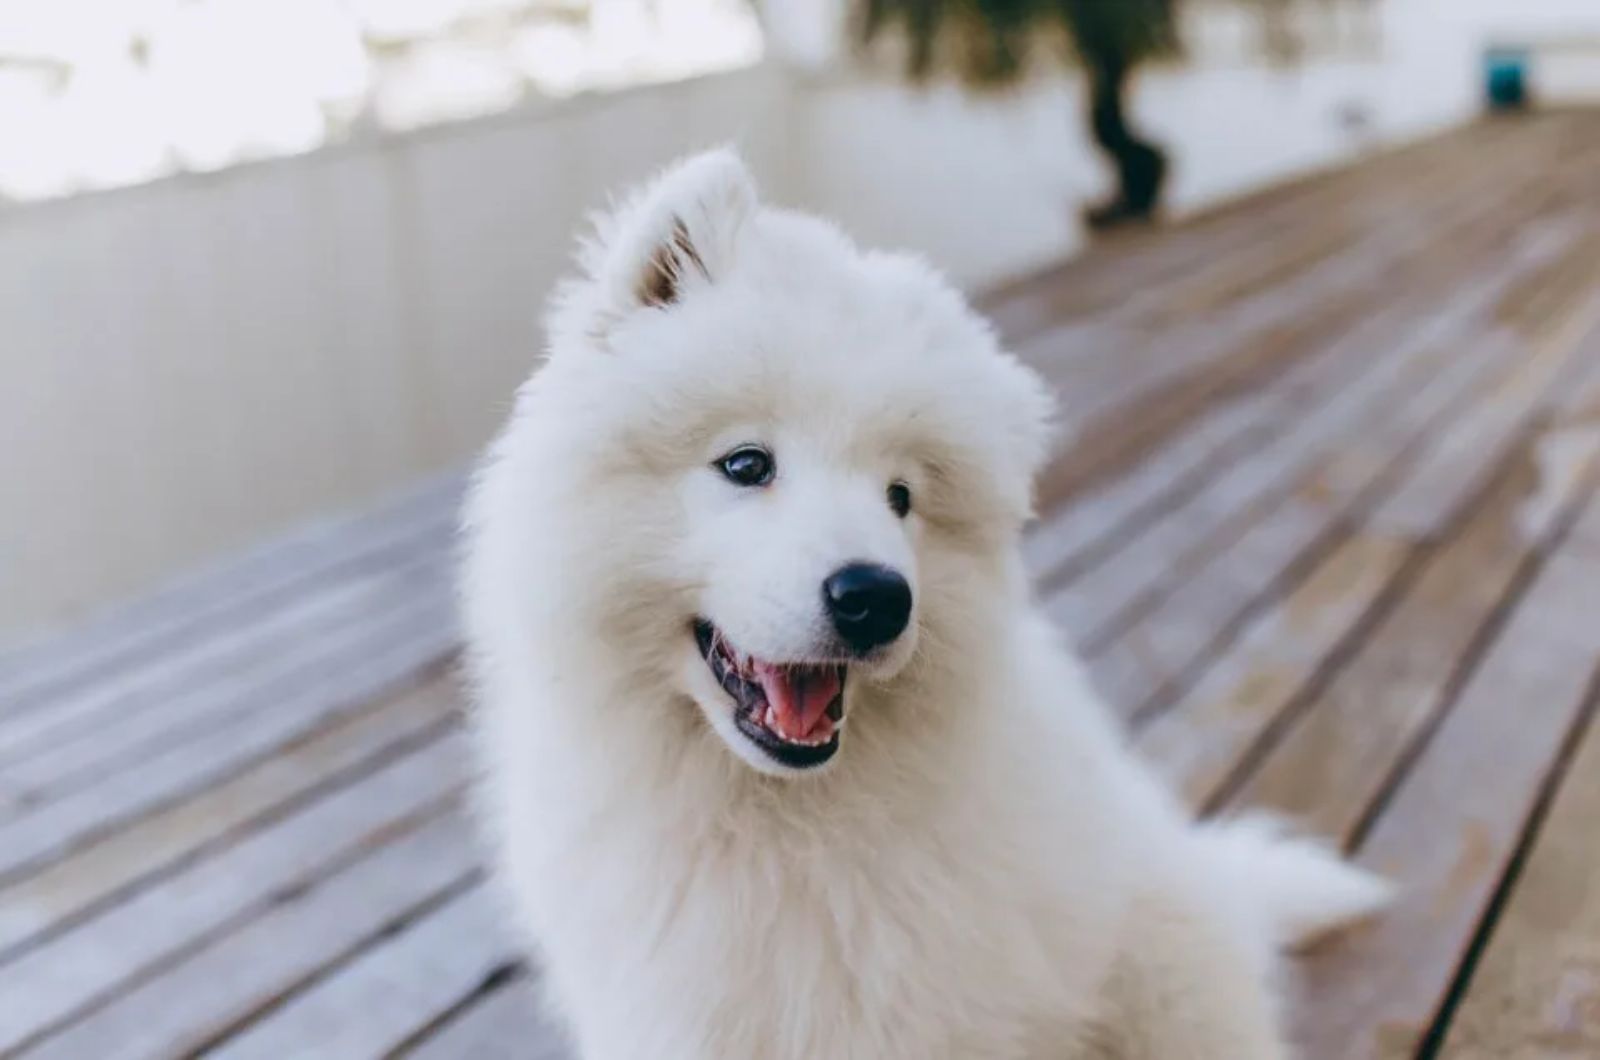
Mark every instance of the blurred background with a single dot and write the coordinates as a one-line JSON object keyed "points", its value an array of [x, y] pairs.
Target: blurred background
{"points": [[264, 259], [1318, 282]]}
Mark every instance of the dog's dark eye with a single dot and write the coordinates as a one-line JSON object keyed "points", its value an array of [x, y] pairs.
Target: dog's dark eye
{"points": [[748, 465], [900, 498]]}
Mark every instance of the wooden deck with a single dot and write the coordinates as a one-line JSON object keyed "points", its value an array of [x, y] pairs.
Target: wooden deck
{"points": [[1328, 537]]}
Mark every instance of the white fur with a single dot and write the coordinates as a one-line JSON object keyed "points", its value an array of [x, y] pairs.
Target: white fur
{"points": [[983, 869]]}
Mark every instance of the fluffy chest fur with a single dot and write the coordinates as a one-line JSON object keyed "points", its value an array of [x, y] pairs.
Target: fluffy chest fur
{"points": [[691, 911]]}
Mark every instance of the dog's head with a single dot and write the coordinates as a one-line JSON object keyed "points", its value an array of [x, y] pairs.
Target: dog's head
{"points": [[798, 469]]}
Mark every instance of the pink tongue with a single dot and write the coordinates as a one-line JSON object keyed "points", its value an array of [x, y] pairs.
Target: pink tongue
{"points": [[798, 696]]}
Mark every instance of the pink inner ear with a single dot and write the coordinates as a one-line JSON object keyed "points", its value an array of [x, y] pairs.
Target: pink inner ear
{"points": [[659, 286]]}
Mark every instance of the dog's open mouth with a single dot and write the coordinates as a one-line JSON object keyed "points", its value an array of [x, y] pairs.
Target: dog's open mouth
{"points": [[792, 711]]}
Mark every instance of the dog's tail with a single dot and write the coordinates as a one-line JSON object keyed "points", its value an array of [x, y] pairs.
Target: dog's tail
{"points": [[1301, 886]]}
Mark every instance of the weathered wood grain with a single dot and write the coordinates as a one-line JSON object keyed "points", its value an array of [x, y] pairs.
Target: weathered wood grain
{"points": [[1136, 261], [1332, 766], [1113, 442], [86, 965], [504, 1025], [197, 694], [1308, 270], [391, 992], [192, 608], [222, 985], [1586, 535], [1092, 521], [1385, 406], [330, 758], [1535, 993], [1366, 464], [1197, 740], [1454, 466], [1106, 513], [1451, 827], [282, 717], [1089, 525]]}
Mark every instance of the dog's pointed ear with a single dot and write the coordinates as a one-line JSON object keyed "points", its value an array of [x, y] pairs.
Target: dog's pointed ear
{"points": [[680, 232]]}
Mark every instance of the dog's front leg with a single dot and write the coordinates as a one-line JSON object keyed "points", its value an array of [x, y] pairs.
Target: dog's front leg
{"points": [[1185, 987]]}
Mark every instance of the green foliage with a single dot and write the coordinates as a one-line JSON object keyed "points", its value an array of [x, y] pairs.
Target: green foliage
{"points": [[992, 42]]}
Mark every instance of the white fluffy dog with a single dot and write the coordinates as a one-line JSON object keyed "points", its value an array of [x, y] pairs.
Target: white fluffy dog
{"points": [[781, 760]]}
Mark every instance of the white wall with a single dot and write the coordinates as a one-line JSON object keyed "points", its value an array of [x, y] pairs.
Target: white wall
{"points": [[198, 363], [193, 364], [1548, 20], [1564, 36]]}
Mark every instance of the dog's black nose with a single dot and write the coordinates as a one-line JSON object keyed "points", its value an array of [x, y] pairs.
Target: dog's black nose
{"points": [[869, 605]]}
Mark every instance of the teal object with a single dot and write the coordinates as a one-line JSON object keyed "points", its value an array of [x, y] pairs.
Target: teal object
{"points": [[1506, 78]]}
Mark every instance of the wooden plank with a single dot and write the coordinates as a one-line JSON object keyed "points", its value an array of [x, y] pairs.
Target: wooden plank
{"points": [[1332, 767], [1092, 525], [88, 964], [1178, 336], [1535, 993], [218, 651], [1405, 665], [1088, 526], [281, 718], [351, 747], [1451, 827], [391, 993], [1453, 468], [199, 1000], [506, 1024], [1279, 261], [1103, 602], [1197, 740], [88, 734], [1579, 410], [207, 702], [1183, 629], [1102, 515], [1335, 763], [1586, 535], [1111, 442], [1207, 605], [1195, 620], [1197, 360], [1382, 402], [1250, 420], [1582, 399], [214, 598], [1141, 260]]}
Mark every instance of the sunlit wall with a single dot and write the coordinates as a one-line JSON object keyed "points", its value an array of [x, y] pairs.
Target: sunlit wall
{"points": [[100, 93]]}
